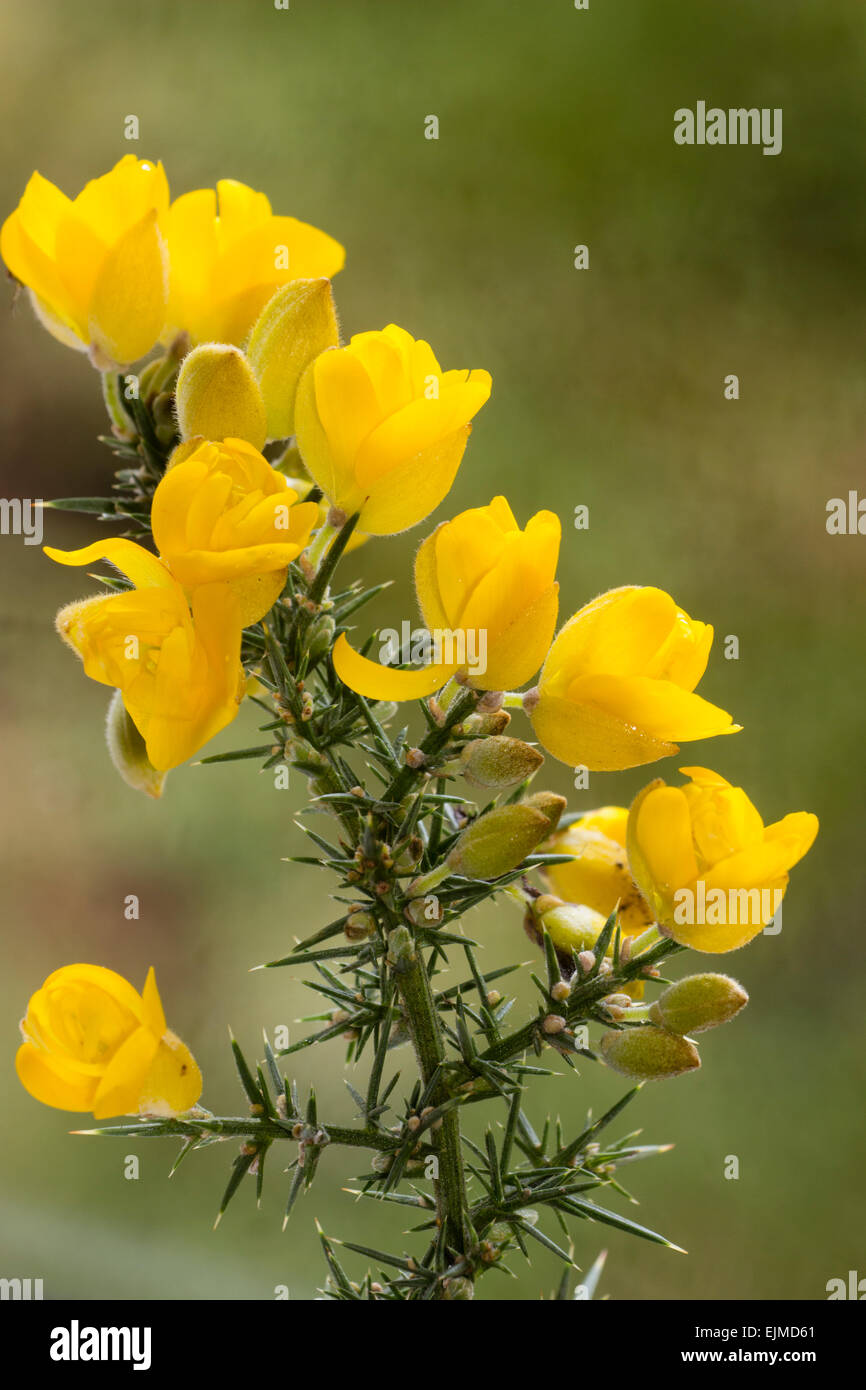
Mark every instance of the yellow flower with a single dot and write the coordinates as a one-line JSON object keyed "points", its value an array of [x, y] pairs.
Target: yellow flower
{"points": [[487, 594], [382, 428], [616, 688], [92, 1042], [226, 263], [224, 515], [702, 856], [96, 265], [178, 671], [598, 875]]}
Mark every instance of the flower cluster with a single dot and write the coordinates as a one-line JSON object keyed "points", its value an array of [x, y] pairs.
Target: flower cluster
{"points": [[257, 451]]}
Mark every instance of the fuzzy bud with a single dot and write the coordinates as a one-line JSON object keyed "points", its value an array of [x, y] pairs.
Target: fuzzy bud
{"points": [[698, 1002], [486, 725], [498, 841], [499, 762], [218, 397], [128, 751], [648, 1053], [295, 326]]}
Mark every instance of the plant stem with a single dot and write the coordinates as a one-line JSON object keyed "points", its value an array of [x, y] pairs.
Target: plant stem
{"points": [[413, 983]]}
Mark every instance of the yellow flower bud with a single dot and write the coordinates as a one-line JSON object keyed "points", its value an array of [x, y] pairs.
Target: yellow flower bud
{"points": [[92, 1042], [96, 265], [298, 323], [617, 687], [713, 873], [223, 514], [227, 263], [598, 874], [498, 762], [218, 397], [499, 840], [382, 428], [488, 589], [128, 751], [573, 928], [177, 668], [648, 1053], [698, 1002]]}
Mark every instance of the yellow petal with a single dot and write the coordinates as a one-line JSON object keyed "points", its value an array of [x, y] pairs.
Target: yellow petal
{"points": [[584, 736], [138, 564], [413, 490], [382, 682], [660, 709], [120, 1085], [297, 323], [128, 306], [663, 834], [49, 1083], [173, 1082], [516, 651], [153, 1015]]}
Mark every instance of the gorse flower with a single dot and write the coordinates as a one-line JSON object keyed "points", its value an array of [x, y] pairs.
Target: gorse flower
{"points": [[96, 265], [228, 260], [177, 666], [224, 515], [383, 429], [476, 576], [617, 687], [92, 1042], [702, 856], [598, 874]]}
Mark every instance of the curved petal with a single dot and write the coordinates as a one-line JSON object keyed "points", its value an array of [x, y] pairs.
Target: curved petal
{"points": [[173, 1081], [516, 652], [139, 565], [377, 682]]}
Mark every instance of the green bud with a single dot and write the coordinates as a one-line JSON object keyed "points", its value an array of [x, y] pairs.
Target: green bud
{"points": [[698, 1002], [486, 724], [359, 925], [164, 425], [571, 926], [549, 804], [648, 1053], [458, 1289], [499, 840], [295, 326], [499, 761], [128, 751], [218, 397], [320, 637]]}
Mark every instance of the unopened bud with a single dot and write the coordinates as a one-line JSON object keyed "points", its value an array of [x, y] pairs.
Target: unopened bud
{"points": [[359, 925], [217, 396], [500, 840], [648, 1053], [426, 911], [458, 1290], [487, 724], [128, 751], [295, 326], [499, 762], [699, 1002], [320, 638], [560, 990], [553, 1023]]}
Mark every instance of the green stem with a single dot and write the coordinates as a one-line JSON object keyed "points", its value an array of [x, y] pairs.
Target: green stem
{"points": [[435, 741], [413, 983]]}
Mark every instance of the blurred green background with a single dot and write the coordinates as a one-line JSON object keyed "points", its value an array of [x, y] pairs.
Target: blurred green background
{"points": [[556, 128]]}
